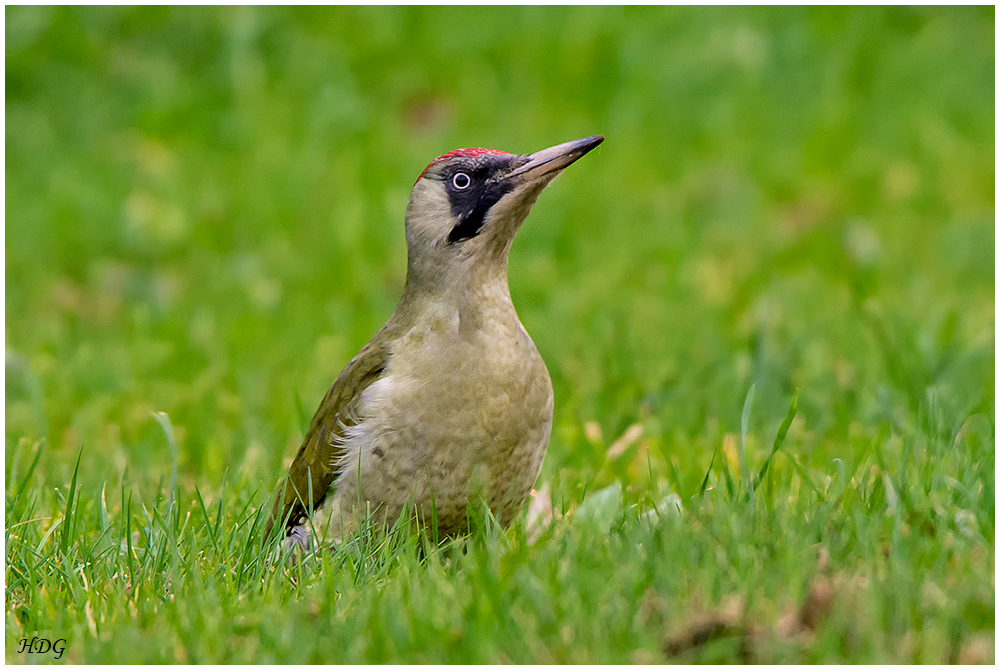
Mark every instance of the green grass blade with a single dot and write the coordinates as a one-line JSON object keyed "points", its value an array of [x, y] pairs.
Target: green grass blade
{"points": [[744, 424], [730, 486], [704, 482], [105, 524], [163, 419], [49, 533], [779, 439], [67, 529], [208, 521], [26, 477], [129, 549]]}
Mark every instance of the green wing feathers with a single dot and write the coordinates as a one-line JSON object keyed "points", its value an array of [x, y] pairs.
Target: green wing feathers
{"points": [[314, 467]]}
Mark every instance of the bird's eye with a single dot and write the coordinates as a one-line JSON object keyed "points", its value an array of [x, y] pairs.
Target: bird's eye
{"points": [[461, 181]]}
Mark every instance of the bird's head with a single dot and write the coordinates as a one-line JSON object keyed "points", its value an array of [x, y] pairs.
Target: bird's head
{"points": [[468, 205]]}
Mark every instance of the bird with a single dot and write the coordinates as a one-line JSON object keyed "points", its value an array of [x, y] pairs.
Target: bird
{"points": [[449, 404]]}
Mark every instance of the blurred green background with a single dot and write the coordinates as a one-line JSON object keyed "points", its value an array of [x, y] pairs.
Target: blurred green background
{"points": [[204, 217]]}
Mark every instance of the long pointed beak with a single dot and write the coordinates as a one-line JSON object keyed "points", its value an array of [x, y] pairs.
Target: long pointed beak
{"points": [[554, 158]]}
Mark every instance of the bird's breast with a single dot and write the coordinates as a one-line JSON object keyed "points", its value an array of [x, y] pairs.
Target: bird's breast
{"points": [[461, 381], [456, 413]]}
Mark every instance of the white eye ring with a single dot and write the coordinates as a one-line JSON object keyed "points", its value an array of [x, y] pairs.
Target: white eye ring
{"points": [[461, 181]]}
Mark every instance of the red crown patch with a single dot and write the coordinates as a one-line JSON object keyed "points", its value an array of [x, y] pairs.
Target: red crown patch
{"points": [[465, 153]]}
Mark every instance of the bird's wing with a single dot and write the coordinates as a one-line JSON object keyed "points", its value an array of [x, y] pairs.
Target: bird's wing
{"points": [[314, 467]]}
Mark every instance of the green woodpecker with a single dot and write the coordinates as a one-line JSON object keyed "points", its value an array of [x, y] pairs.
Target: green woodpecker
{"points": [[450, 402]]}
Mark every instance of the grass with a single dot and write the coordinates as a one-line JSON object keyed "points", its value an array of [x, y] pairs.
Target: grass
{"points": [[766, 303]]}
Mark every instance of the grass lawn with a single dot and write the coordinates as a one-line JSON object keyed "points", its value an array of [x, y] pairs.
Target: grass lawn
{"points": [[785, 244]]}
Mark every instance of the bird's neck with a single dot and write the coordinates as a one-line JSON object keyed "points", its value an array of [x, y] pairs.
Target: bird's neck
{"points": [[471, 288]]}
